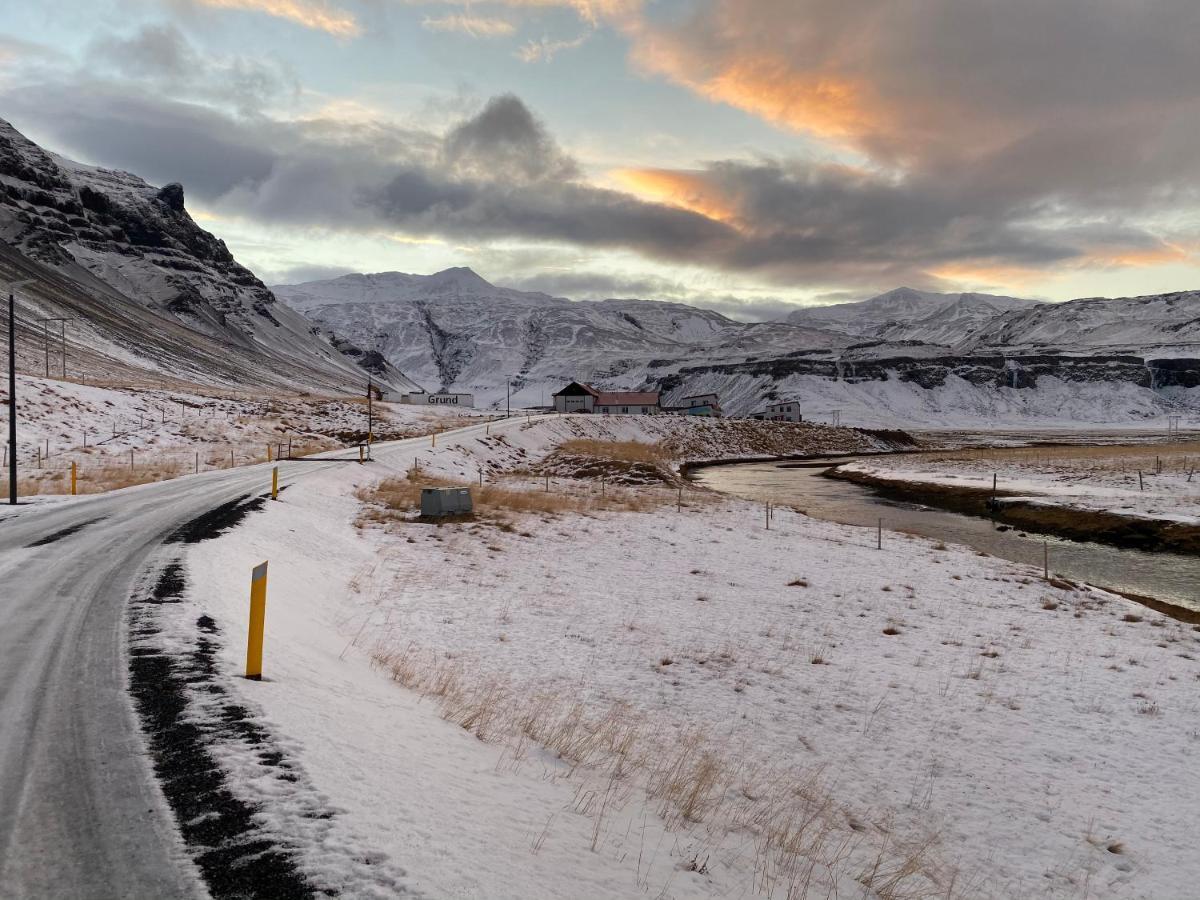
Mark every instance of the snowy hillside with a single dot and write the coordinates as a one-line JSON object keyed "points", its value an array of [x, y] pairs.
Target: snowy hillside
{"points": [[902, 358], [907, 315], [457, 331], [1160, 325], [137, 267]]}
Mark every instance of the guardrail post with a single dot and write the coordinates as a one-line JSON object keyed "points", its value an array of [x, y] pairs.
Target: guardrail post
{"points": [[258, 619]]}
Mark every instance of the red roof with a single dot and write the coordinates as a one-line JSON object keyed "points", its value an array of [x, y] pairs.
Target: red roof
{"points": [[628, 398]]}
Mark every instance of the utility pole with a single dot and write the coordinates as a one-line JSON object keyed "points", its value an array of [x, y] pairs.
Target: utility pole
{"points": [[370, 417], [12, 389], [62, 320]]}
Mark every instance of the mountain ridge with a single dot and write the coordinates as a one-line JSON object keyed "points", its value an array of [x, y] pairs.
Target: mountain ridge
{"points": [[125, 242]]}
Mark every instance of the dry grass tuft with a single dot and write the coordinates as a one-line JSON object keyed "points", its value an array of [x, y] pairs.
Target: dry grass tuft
{"points": [[798, 833], [620, 451], [397, 499]]}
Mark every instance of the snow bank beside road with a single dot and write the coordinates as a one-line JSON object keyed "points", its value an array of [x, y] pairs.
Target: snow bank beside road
{"points": [[171, 432], [931, 693]]}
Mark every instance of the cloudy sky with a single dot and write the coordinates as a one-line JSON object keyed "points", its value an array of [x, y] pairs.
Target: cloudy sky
{"points": [[741, 154]]}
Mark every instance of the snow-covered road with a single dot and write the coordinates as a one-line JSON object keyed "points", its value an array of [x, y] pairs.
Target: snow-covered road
{"points": [[80, 812]]}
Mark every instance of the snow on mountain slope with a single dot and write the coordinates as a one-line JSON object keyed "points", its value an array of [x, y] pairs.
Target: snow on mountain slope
{"points": [[904, 315], [457, 331], [1159, 325], [132, 252], [898, 359]]}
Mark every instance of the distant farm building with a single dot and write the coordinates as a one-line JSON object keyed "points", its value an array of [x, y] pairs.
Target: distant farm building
{"points": [[577, 397], [699, 405], [786, 411]]}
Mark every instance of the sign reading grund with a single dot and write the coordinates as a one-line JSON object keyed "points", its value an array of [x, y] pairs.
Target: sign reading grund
{"points": [[439, 399]]}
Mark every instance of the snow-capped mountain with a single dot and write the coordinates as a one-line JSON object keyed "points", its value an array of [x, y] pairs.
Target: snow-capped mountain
{"points": [[1160, 325], [455, 330], [908, 315], [150, 288], [903, 357]]}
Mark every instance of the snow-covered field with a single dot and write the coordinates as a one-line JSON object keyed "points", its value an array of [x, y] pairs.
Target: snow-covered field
{"points": [[1154, 481], [173, 432], [734, 711]]}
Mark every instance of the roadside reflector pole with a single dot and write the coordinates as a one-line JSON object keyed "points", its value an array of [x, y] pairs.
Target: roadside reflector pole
{"points": [[258, 620], [767, 511], [1046, 560], [74, 477], [879, 536], [275, 483], [433, 439], [360, 453], [679, 502], [268, 452]]}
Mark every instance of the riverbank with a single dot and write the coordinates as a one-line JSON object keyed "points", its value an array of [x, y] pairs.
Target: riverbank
{"points": [[1141, 497]]}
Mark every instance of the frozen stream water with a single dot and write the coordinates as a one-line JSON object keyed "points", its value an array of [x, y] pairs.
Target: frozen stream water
{"points": [[1169, 577]]}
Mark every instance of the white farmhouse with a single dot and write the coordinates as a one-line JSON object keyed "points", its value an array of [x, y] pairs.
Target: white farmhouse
{"points": [[579, 397], [784, 411]]}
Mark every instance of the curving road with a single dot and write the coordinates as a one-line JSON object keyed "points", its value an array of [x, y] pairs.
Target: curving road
{"points": [[81, 814]]}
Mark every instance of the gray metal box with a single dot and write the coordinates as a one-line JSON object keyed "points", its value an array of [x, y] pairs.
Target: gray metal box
{"points": [[445, 501]]}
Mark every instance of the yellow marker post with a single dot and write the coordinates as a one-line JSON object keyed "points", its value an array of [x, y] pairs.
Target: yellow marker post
{"points": [[275, 483], [74, 477], [268, 452], [258, 621]]}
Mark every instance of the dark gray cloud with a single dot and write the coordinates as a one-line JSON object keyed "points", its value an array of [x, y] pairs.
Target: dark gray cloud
{"points": [[505, 142], [583, 284], [1091, 102], [160, 54], [300, 274]]}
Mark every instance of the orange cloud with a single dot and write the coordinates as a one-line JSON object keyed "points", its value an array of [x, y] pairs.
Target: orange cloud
{"points": [[309, 13], [824, 105], [687, 190], [995, 276], [741, 72], [1161, 255], [990, 276]]}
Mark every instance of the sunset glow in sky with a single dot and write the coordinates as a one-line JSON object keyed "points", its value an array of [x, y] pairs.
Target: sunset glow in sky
{"points": [[739, 154]]}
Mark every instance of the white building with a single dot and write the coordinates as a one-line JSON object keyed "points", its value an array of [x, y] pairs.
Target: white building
{"points": [[784, 411], [700, 405]]}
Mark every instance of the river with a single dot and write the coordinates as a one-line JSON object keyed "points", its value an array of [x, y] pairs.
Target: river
{"points": [[1169, 577]]}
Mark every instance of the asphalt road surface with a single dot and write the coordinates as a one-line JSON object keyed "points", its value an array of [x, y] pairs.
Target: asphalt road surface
{"points": [[81, 814]]}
